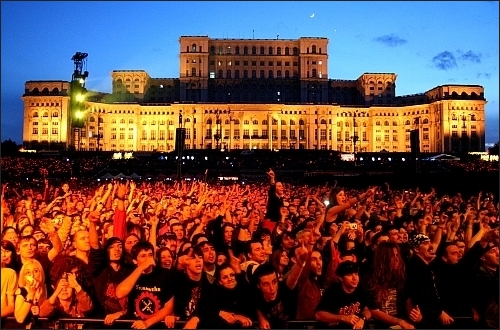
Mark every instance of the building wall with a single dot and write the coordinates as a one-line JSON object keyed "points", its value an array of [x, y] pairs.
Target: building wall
{"points": [[301, 109]]}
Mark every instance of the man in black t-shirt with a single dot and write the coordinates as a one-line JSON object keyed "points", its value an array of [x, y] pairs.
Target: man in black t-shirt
{"points": [[344, 304], [276, 301], [148, 288]]}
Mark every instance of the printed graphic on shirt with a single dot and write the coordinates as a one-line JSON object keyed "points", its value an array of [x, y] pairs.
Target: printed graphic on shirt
{"points": [[146, 304], [195, 297]]}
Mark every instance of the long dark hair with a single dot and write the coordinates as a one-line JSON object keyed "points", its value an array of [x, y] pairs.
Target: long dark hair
{"points": [[384, 274], [14, 263]]}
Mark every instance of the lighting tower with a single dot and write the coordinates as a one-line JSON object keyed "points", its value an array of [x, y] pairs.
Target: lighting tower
{"points": [[77, 97]]}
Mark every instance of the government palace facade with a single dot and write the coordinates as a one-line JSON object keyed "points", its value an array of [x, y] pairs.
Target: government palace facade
{"points": [[257, 94]]}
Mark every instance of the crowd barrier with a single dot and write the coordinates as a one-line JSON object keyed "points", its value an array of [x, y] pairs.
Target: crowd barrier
{"points": [[91, 323]]}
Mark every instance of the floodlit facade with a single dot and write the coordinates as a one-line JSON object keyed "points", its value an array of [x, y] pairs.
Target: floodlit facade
{"points": [[255, 93]]}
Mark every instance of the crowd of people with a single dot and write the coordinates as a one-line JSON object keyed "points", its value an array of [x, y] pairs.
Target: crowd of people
{"points": [[188, 254]]}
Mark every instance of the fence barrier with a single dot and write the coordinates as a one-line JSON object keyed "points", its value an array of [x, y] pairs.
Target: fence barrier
{"points": [[81, 323]]}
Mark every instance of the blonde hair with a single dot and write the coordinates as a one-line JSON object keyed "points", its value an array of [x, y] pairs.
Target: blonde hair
{"points": [[42, 287]]}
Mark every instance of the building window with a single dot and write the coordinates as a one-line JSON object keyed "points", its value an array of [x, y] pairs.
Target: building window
{"points": [[35, 130], [254, 50]]}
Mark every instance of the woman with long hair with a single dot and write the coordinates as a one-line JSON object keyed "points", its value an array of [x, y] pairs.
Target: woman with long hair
{"points": [[31, 293], [281, 263], [9, 278], [384, 286], [165, 258]]}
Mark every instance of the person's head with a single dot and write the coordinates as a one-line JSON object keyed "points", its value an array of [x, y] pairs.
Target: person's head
{"points": [[165, 257], [378, 238], [208, 251], [490, 258], [221, 258], [22, 221], [194, 261], [280, 189], [114, 249], [143, 252], [316, 262], [44, 246], [287, 241], [228, 229], [337, 197], [81, 241], [10, 234], [451, 254], [388, 268], [130, 241], [9, 259], [255, 251], [422, 247], [393, 233], [27, 230], [178, 230], [280, 259], [65, 187], [403, 235], [226, 276], [348, 273], [267, 281], [32, 269], [27, 247], [349, 255]]}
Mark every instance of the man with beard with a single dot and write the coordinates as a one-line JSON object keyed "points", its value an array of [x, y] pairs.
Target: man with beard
{"points": [[148, 288], [108, 268], [420, 285], [344, 303]]}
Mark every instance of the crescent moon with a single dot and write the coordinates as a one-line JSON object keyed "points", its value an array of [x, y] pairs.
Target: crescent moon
{"points": [[312, 15]]}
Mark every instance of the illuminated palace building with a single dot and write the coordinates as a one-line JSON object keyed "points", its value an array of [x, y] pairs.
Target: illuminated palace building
{"points": [[256, 93]]}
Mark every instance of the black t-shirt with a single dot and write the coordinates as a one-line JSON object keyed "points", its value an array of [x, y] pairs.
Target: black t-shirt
{"points": [[281, 309], [150, 293], [336, 301], [106, 279], [188, 293]]}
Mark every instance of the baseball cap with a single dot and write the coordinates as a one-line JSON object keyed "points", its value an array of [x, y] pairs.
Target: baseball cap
{"points": [[345, 268]]}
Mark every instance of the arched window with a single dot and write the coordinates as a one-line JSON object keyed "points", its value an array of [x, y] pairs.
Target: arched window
{"points": [[92, 119], [262, 74], [236, 121], [283, 122], [144, 122], [292, 122], [228, 74], [236, 73], [287, 51], [246, 122], [407, 122], [237, 50], [347, 124], [255, 122], [130, 121], [301, 122], [55, 114], [394, 123], [245, 50], [209, 121], [45, 114], [220, 74], [245, 73], [287, 74], [35, 114], [193, 48], [122, 121], [386, 123], [364, 124], [212, 50], [339, 124], [101, 120], [193, 72], [314, 73], [426, 121], [295, 51], [313, 49], [262, 50], [453, 117], [323, 122], [377, 123], [270, 51], [55, 91], [278, 51], [270, 74], [254, 50], [264, 122], [226, 122], [278, 73], [113, 121], [153, 122]]}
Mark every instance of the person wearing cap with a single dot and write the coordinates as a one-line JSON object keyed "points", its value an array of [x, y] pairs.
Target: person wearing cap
{"points": [[344, 304], [421, 285], [485, 282]]}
